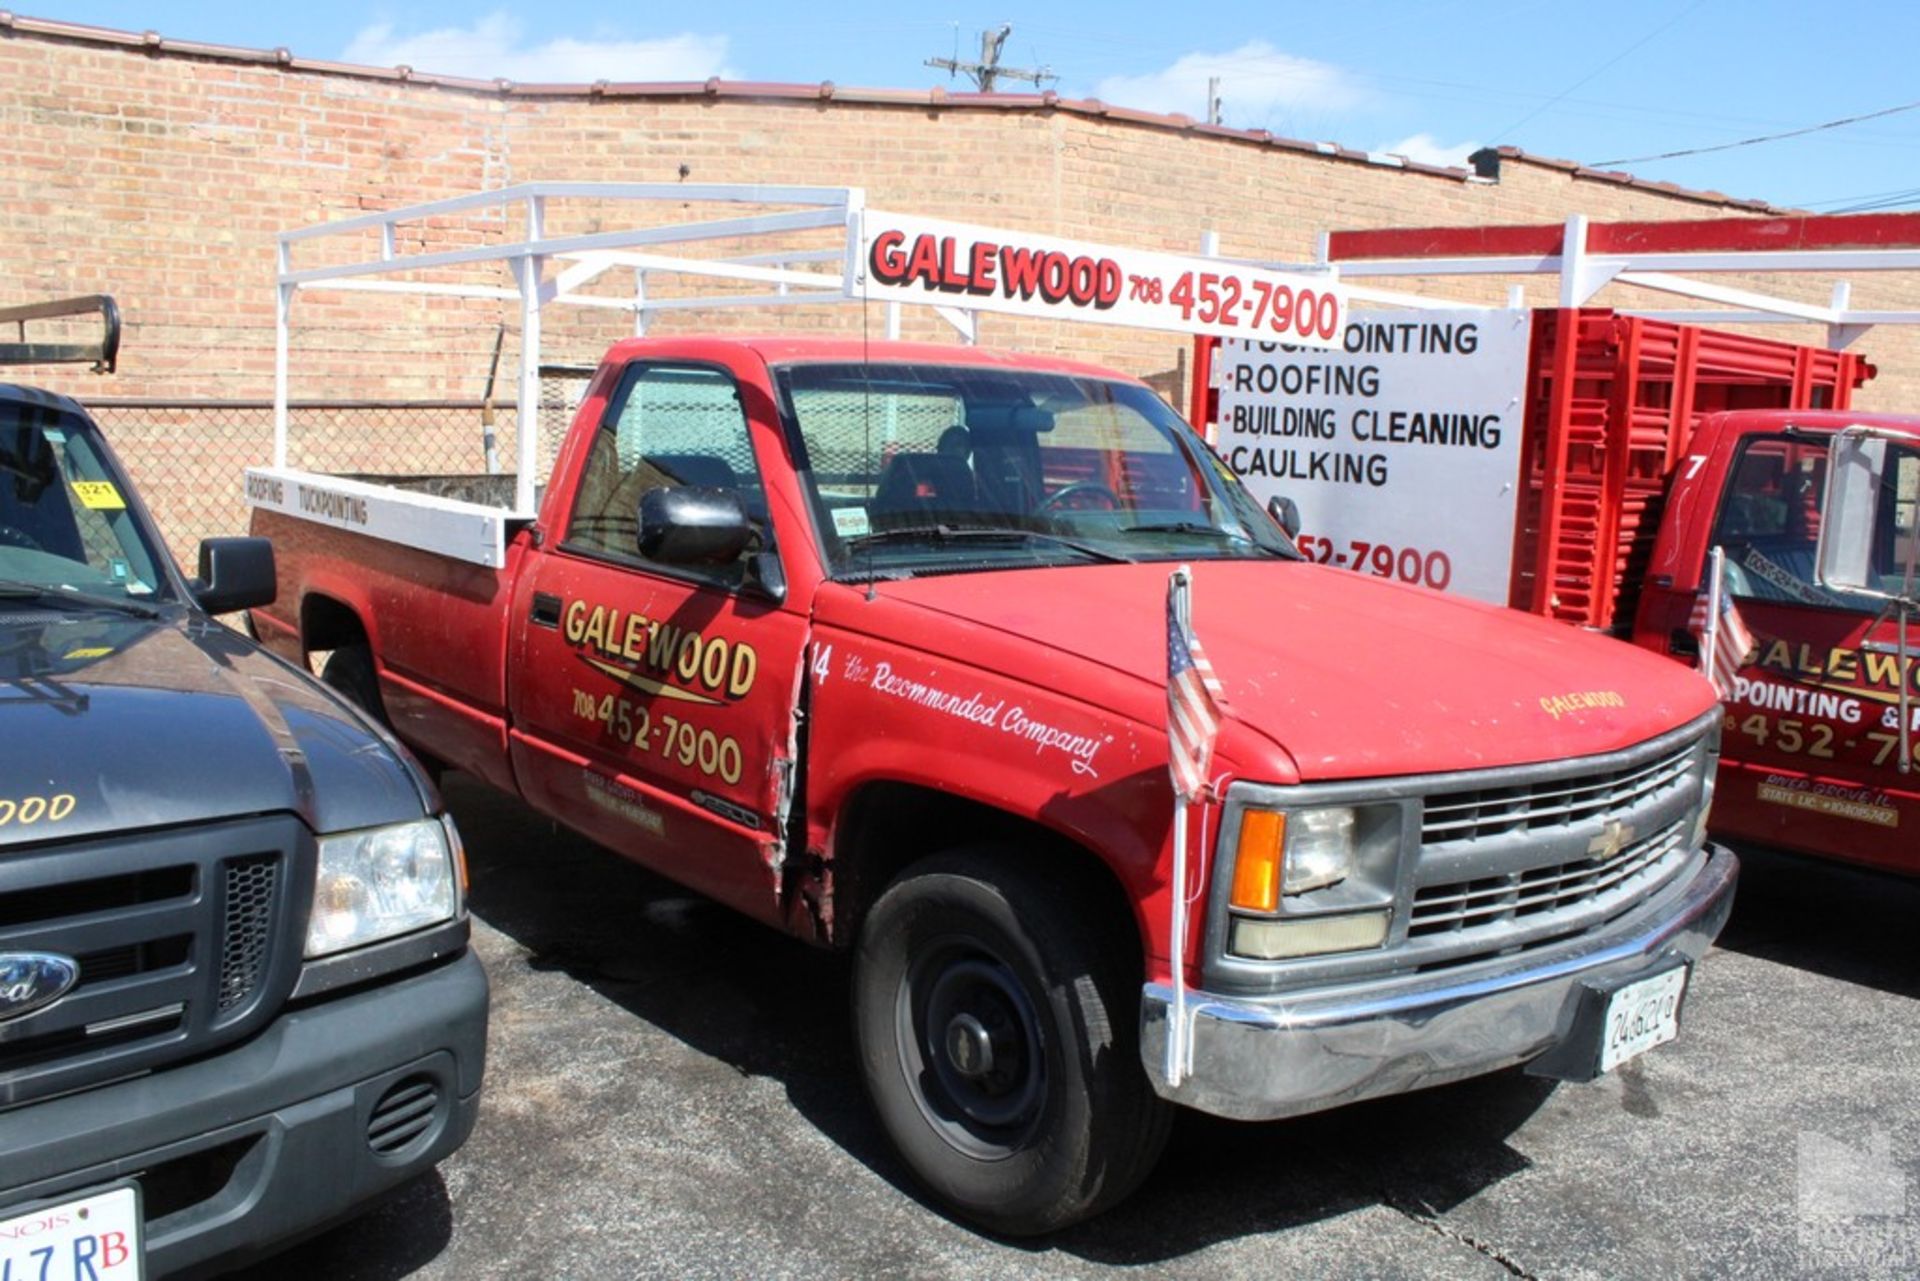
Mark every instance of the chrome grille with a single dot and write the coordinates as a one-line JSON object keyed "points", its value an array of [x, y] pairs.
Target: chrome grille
{"points": [[1462, 905], [1491, 811]]}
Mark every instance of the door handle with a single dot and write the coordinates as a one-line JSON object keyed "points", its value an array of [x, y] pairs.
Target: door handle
{"points": [[546, 609]]}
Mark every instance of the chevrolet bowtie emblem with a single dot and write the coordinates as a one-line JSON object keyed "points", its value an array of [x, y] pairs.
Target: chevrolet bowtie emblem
{"points": [[1613, 838]]}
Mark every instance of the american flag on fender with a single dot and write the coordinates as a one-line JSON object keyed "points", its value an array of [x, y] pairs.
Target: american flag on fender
{"points": [[1193, 696], [1726, 642]]}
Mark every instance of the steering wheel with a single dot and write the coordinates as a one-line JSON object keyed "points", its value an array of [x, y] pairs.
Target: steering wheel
{"points": [[13, 537], [1078, 489]]}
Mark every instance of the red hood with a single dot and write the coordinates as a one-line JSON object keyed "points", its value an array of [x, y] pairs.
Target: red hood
{"points": [[1352, 676]]}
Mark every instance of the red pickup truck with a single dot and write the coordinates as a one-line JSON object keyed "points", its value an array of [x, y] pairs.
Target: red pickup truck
{"points": [[870, 642]]}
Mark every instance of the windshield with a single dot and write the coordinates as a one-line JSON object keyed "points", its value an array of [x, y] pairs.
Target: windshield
{"points": [[64, 522], [919, 469]]}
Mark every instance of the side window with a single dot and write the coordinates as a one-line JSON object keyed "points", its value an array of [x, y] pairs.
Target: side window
{"points": [[1899, 510], [665, 426], [1769, 521]]}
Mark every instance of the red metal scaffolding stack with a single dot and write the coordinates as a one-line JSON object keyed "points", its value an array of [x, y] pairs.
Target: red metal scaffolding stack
{"points": [[1613, 401]]}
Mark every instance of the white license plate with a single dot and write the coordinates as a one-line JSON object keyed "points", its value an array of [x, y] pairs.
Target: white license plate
{"points": [[1642, 1015], [96, 1238]]}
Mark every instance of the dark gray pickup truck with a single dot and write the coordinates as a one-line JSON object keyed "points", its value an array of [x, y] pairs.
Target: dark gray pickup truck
{"points": [[236, 997]]}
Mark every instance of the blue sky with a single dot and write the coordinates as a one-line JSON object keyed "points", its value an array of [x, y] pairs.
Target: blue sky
{"points": [[1591, 82]]}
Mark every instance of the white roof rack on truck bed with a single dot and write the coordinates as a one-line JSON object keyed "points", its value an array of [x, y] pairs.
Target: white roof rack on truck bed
{"points": [[824, 246]]}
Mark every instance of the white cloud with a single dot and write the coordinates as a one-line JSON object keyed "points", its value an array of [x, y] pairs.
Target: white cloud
{"points": [[1255, 79], [492, 48], [1425, 149]]}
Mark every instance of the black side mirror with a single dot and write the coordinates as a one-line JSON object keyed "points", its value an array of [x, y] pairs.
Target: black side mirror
{"points": [[235, 573], [693, 525], [1285, 513]]}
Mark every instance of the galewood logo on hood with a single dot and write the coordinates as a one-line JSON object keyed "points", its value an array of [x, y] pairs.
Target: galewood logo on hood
{"points": [[1558, 705], [648, 654], [33, 980]]}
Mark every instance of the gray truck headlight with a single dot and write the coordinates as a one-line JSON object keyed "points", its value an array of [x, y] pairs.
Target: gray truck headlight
{"points": [[1311, 880], [381, 882], [1319, 849]]}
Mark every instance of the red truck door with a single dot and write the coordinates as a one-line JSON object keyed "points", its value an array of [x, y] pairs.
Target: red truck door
{"points": [[651, 700], [1811, 744]]}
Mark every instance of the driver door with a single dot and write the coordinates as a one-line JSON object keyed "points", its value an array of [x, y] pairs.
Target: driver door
{"points": [[653, 701]]}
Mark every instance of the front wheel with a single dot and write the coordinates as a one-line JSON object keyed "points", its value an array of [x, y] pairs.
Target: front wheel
{"points": [[996, 1009], [350, 670]]}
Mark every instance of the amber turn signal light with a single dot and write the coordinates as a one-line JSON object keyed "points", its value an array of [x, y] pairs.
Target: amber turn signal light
{"points": [[1256, 863]]}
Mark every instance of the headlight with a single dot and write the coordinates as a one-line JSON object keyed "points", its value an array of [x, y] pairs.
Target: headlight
{"points": [[1319, 850], [1290, 852], [1310, 936], [381, 882], [1312, 880]]}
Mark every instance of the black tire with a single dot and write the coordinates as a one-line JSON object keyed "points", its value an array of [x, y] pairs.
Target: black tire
{"points": [[350, 670], [996, 1013]]}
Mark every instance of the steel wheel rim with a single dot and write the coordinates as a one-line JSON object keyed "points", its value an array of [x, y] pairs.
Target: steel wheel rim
{"points": [[972, 1047]]}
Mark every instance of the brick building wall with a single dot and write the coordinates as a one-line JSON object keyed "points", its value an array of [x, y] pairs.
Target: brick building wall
{"points": [[160, 173]]}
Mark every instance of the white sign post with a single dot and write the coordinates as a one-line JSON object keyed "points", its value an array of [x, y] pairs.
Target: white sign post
{"points": [[929, 261], [1401, 449]]}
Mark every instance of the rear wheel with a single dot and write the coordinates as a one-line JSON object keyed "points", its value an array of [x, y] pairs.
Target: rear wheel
{"points": [[996, 1009]]}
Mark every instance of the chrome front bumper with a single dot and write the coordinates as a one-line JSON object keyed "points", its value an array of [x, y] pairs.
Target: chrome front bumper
{"points": [[1258, 1058]]}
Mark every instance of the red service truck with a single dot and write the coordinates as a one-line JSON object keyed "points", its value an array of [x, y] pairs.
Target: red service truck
{"points": [[871, 641], [1633, 446]]}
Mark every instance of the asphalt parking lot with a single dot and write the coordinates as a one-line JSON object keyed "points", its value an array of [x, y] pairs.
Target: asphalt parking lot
{"points": [[672, 1093]]}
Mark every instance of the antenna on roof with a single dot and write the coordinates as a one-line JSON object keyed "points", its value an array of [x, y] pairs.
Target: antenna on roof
{"points": [[986, 71]]}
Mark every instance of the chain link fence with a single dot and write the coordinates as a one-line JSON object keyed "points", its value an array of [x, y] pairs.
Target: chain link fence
{"points": [[187, 457]]}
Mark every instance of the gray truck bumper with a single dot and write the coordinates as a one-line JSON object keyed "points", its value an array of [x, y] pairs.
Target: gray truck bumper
{"points": [[1267, 1057], [241, 1152]]}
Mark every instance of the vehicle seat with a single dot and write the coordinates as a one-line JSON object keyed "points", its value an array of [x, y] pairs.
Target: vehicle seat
{"points": [[1005, 483], [47, 518], [915, 488]]}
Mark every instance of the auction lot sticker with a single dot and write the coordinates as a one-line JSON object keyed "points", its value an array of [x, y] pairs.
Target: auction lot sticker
{"points": [[1402, 448], [952, 264]]}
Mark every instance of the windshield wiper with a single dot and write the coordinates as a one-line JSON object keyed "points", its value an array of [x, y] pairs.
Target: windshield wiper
{"points": [[16, 589], [947, 533], [1211, 531]]}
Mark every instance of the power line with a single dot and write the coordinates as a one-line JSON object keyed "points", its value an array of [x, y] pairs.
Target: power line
{"points": [[1892, 200], [1862, 197], [1769, 137], [1662, 29]]}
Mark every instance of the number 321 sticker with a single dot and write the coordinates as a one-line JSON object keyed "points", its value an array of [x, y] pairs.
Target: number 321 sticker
{"points": [[99, 495]]}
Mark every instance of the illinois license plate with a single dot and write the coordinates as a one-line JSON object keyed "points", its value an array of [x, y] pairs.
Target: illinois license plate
{"points": [[95, 1238], [1642, 1015]]}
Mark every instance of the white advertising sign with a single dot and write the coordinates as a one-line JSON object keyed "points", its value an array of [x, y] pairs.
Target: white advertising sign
{"points": [[466, 531], [1402, 449], [951, 264]]}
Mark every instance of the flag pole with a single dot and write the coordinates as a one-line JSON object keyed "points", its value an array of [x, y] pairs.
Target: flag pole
{"points": [[1177, 1016], [1710, 634], [1176, 1064]]}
